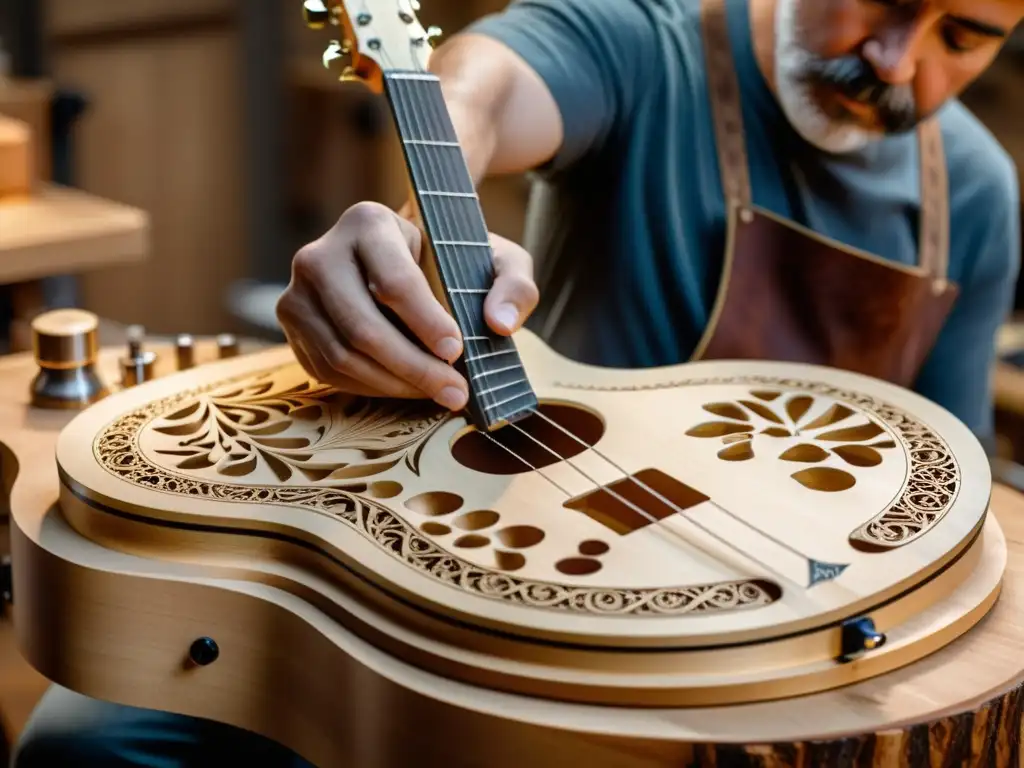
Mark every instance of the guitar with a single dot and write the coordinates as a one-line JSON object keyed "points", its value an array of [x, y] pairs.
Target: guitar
{"points": [[241, 542]]}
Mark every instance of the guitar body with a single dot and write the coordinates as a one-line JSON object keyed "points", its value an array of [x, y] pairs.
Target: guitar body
{"points": [[321, 543]]}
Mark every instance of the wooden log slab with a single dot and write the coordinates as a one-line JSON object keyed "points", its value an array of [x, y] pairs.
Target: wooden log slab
{"points": [[339, 700]]}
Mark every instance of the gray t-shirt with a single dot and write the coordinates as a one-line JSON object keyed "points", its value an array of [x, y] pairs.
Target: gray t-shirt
{"points": [[633, 237]]}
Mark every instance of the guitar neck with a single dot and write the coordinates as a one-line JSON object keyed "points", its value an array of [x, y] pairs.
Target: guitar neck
{"points": [[499, 390]]}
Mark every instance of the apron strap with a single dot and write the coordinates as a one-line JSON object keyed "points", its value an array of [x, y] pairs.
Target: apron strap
{"points": [[934, 235], [727, 114]]}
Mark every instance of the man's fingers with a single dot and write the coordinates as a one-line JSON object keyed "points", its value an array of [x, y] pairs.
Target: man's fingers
{"points": [[384, 250], [514, 294], [332, 361], [366, 330]]}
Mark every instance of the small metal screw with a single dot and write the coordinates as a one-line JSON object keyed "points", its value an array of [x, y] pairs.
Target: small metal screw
{"points": [[363, 19]]}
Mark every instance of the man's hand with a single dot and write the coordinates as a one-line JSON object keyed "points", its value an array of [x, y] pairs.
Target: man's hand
{"points": [[341, 337]]}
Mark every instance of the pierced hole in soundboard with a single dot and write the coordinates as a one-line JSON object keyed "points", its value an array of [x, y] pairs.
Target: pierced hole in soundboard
{"points": [[578, 566], [434, 503], [385, 489], [472, 541], [508, 561], [478, 520], [520, 536], [435, 529], [534, 440], [593, 547], [825, 479]]}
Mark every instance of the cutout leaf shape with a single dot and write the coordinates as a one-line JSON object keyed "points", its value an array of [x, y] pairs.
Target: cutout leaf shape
{"points": [[825, 479], [763, 411], [717, 429], [727, 411], [837, 412], [856, 434], [804, 453], [741, 451], [798, 406], [858, 455]]}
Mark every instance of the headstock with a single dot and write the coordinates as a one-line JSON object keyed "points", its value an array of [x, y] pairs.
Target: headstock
{"points": [[377, 36]]}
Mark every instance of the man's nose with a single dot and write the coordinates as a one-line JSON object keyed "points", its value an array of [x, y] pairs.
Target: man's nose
{"points": [[894, 52]]}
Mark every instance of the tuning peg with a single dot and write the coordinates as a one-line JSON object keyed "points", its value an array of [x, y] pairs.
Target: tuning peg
{"points": [[433, 32], [335, 51], [316, 14]]}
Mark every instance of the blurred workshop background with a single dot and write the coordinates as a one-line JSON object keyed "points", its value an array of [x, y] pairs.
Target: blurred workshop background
{"points": [[182, 150]]}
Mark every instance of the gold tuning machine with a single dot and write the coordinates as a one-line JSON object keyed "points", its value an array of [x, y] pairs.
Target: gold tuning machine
{"points": [[65, 346], [336, 53], [316, 14]]}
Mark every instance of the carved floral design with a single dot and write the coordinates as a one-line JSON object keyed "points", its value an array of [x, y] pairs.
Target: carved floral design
{"points": [[231, 415], [303, 433], [768, 415], [933, 480]]}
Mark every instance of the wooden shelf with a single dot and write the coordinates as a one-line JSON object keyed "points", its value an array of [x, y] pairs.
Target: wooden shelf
{"points": [[61, 231]]}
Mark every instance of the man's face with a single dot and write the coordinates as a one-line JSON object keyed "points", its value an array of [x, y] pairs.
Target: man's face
{"points": [[850, 70]]}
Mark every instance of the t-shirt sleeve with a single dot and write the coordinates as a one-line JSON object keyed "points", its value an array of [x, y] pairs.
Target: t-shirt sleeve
{"points": [[958, 373], [593, 55]]}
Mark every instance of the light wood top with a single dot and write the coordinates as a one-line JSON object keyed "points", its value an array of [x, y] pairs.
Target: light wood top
{"points": [[62, 230]]}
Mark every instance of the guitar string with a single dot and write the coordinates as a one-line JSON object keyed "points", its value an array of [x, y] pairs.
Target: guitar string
{"points": [[422, 110]]}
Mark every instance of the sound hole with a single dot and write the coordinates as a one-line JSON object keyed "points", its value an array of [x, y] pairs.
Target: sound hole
{"points": [[531, 443]]}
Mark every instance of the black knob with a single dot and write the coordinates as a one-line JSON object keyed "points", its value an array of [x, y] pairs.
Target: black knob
{"points": [[859, 636], [204, 651]]}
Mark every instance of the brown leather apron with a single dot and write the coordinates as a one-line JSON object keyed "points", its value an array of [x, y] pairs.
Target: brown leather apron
{"points": [[789, 294]]}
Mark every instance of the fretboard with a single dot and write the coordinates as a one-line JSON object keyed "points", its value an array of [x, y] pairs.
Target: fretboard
{"points": [[499, 390]]}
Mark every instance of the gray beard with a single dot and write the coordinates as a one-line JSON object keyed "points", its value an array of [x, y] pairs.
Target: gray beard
{"points": [[797, 70]]}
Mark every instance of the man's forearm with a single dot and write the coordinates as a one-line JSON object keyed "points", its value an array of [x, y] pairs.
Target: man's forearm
{"points": [[504, 116]]}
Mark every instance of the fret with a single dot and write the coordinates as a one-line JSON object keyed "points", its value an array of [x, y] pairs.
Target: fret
{"points": [[450, 210], [429, 143], [453, 218], [412, 76], [507, 400], [497, 352], [502, 387], [496, 371], [443, 193], [440, 168]]}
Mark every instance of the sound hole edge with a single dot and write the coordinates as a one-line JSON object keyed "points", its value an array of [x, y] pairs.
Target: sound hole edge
{"points": [[533, 442]]}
